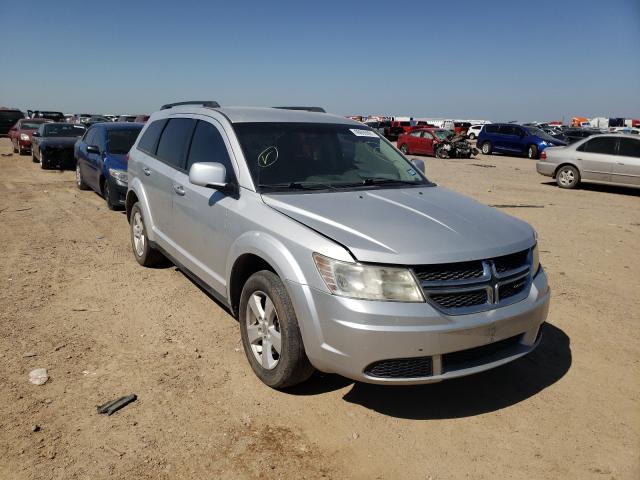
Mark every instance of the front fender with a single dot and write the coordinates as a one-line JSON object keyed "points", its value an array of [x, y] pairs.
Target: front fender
{"points": [[271, 250]]}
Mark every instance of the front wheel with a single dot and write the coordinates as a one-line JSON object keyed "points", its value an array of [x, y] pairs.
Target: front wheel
{"points": [[106, 193], [472, 136], [33, 157], [532, 152], [270, 334], [404, 149], [568, 176], [44, 164], [486, 148]]}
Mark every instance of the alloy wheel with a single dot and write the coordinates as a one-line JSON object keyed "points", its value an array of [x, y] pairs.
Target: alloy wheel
{"points": [[566, 177], [263, 330], [139, 240]]}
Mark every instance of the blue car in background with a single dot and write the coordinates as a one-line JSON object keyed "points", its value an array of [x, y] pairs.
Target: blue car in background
{"points": [[101, 160], [515, 139]]}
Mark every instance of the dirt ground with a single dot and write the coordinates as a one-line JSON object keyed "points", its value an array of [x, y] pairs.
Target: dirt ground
{"points": [[72, 294]]}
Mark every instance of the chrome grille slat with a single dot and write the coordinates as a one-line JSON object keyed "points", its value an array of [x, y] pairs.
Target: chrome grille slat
{"points": [[502, 281]]}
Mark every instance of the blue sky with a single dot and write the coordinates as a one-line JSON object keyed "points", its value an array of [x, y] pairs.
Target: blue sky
{"points": [[500, 60]]}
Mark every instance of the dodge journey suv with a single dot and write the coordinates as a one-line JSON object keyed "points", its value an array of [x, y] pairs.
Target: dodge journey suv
{"points": [[332, 250]]}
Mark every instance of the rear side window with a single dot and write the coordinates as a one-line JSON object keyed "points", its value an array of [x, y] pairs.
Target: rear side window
{"points": [[629, 147], [208, 146], [491, 129], [606, 145], [149, 141], [175, 138], [507, 130]]}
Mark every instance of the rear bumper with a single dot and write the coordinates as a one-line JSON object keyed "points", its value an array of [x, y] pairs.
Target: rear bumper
{"points": [[352, 337], [545, 168]]}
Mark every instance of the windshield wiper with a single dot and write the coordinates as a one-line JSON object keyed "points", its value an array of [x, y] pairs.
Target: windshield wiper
{"points": [[387, 181], [297, 186]]}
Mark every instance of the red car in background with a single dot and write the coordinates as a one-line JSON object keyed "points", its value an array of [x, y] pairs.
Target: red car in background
{"points": [[20, 133], [422, 141]]}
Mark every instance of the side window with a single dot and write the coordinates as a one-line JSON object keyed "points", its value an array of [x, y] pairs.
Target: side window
{"points": [[507, 130], [149, 141], [208, 146], [518, 131], [606, 145], [415, 134], [172, 147], [89, 137], [491, 129], [629, 147], [427, 135]]}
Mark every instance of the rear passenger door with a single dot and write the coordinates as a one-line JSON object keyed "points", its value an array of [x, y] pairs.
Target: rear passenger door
{"points": [[158, 170], [627, 166], [200, 214], [597, 156]]}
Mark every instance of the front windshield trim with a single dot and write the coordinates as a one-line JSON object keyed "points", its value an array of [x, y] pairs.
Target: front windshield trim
{"points": [[331, 142]]}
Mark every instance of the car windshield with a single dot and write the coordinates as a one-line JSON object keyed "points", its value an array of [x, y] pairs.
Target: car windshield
{"points": [[63, 130], [121, 140], [442, 134], [307, 156], [539, 133], [30, 125], [10, 115]]}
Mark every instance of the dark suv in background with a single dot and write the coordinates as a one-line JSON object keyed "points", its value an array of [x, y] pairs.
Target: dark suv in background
{"points": [[8, 118], [515, 139]]}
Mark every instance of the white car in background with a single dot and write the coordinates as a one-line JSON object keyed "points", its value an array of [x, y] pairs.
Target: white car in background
{"points": [[627, 130], [474, 131]]}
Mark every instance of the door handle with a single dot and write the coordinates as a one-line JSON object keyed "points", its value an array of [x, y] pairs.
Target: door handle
{"points": [[179, 189], [620, 163], [146, 171]]}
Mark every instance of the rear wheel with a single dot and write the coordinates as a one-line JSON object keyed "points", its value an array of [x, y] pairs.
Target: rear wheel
{"points": [[472, 136], [79, 180], [532, 152], [404, 149], [486, 148], [568, 176], [270, 334], [145, 254]]}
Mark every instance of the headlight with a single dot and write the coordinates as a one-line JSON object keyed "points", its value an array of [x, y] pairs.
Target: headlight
{"points": [[366, 282], [120, 176], [24, 136]]}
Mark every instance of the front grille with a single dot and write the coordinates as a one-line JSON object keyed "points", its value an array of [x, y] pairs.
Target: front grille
{"points": [[511, 262], [449, 271], [480, 355], [508, 290], [462, 299], [401, 368], [467, 287]]}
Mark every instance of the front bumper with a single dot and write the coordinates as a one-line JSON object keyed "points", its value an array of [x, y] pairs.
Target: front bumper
{"points": [[24, 144], [348, 337], [545, 168], [118, 192]]}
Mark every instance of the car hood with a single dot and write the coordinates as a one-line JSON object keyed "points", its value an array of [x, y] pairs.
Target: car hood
{"points": [[409, 226], [116, 161], [58, 141]]}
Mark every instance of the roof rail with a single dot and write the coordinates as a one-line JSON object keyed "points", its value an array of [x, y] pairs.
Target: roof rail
{"points": [[204, 103], [307, 109]]}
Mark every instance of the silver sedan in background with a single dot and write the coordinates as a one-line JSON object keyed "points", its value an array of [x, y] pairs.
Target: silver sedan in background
{"points": [[599, 158]]}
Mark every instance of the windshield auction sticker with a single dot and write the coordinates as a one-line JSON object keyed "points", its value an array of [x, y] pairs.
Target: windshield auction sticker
{"points": [[268, 157], [363, 133]]}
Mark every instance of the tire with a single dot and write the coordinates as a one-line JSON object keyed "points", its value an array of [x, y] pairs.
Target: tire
{"points": [[277, 369], [472, 136], [404, 148], [79, 180], [567, 176], [145, 254], [106, 194], [44, 164], [532, 152], [16, 149], [486, 148], [33, 157]]}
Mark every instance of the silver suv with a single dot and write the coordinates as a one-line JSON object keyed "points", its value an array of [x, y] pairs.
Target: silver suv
{"points": [[331, 248]]}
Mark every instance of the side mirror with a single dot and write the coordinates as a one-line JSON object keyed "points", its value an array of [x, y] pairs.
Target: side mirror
{"points": [[419, 164], [211, 175], [93, 149], [35, 134]]}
